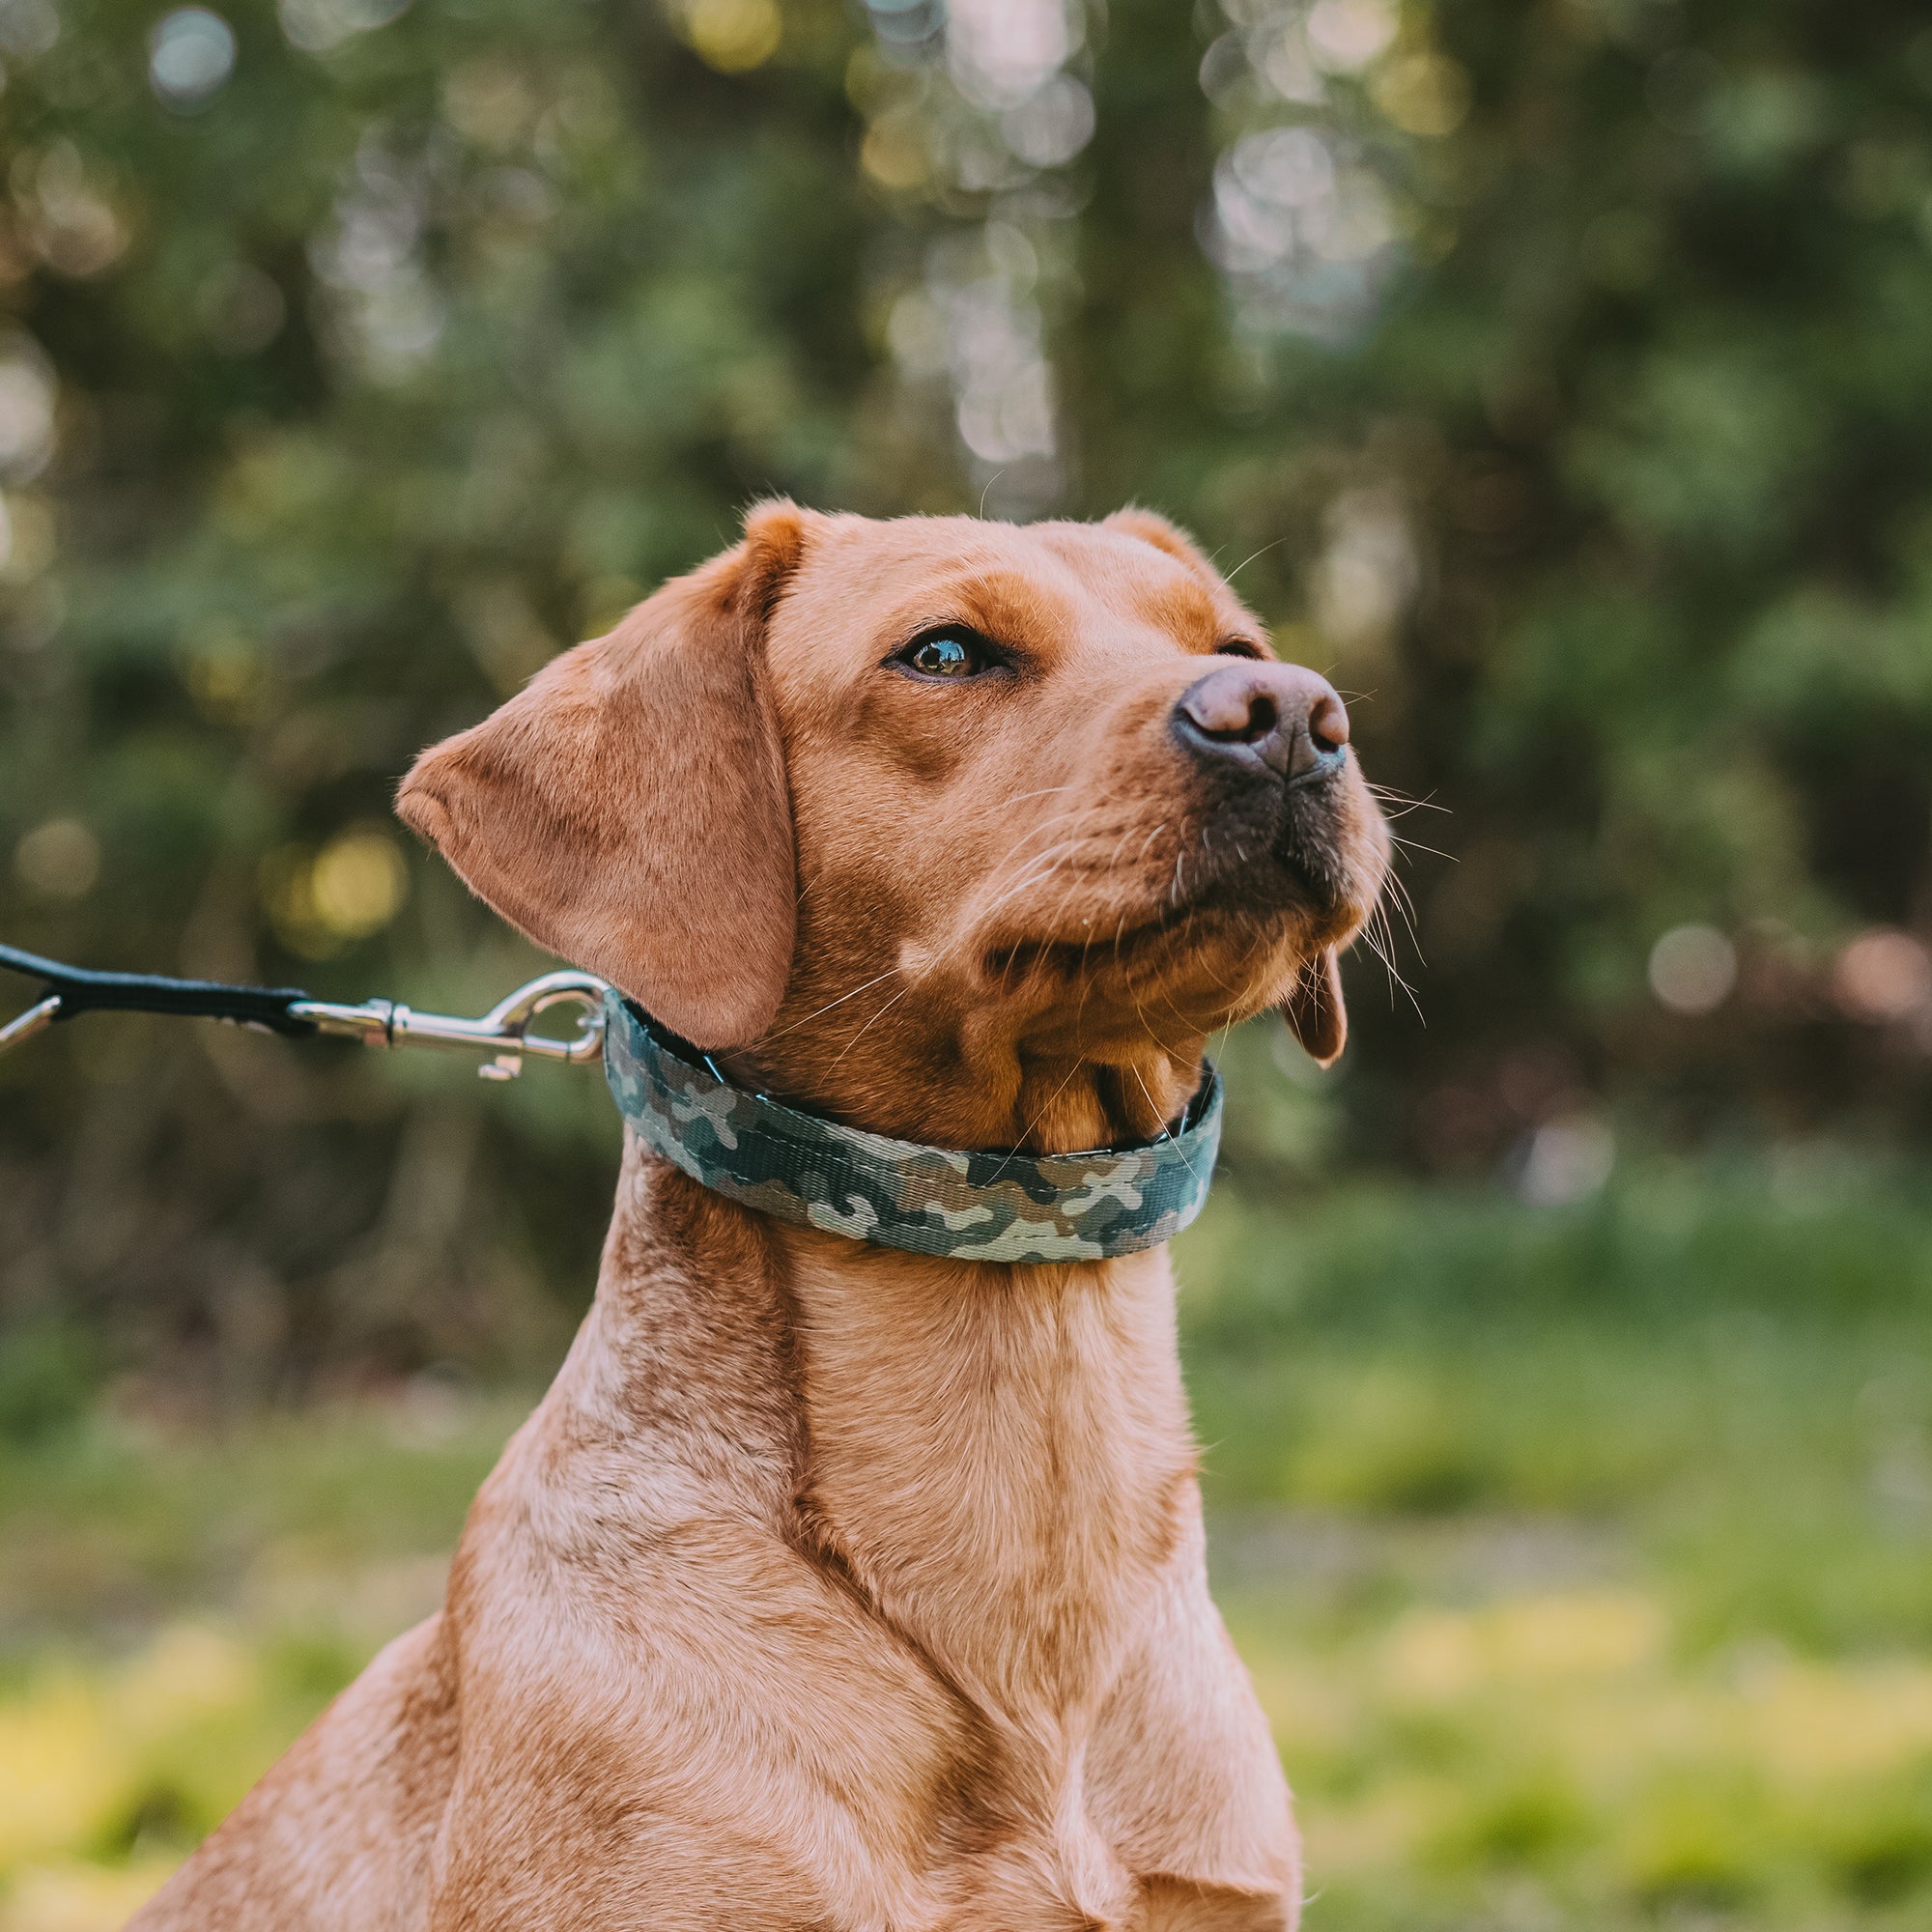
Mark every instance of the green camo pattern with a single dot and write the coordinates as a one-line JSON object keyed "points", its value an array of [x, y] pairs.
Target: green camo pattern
{"points": [[985, 1207]]}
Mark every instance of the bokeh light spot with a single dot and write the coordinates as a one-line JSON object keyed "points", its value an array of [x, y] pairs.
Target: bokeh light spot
{"points": [[1347, 35], [1882, 976], [29, 28], [190, 53], [1568, 1160], [1000, 51], [894, 153], [1423, 93], [26, 412], [223, 673], [242, 309], [734, 36], [1289, 166], [60, 860], [319, 901], [1047, 129], [359, 884], [317, 25], [1692, 969]]}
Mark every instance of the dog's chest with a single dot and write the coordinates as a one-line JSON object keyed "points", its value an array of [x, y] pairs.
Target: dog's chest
{"points": [[837, 1584], [1001, 1456]]}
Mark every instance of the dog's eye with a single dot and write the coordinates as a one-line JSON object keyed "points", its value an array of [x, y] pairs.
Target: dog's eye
{"points": [[1237, 647], [946, 655]]}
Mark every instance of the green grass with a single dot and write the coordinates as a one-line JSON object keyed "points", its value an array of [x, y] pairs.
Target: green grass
{"points": [[1583, 1559]]}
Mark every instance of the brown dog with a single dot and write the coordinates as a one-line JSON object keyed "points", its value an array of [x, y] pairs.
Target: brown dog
{"points": [[831, 1586]]}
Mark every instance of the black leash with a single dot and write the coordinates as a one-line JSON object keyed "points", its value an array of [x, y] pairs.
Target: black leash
{"points": [[80, 990], [503, 1032]]}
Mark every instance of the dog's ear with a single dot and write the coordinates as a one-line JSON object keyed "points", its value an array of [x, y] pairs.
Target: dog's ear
{"points": [[1152, 527], [1314, 1011], [628, 808]]}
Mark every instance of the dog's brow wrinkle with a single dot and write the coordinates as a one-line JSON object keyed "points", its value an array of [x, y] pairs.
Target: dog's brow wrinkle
{"points": [[1017, 610]]}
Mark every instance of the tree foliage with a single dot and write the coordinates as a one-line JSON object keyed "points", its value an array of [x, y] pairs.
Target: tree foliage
{"points": [[1557, 375]]}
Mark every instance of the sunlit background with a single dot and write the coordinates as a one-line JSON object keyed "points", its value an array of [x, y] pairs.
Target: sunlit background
{"points": [[1557, 376]]}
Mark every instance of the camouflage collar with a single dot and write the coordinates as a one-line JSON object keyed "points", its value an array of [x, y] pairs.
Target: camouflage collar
{"points": [[988, 1206]]}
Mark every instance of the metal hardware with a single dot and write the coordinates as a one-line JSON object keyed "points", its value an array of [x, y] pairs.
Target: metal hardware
{"points": [[503, 1032], [24, 1026]]}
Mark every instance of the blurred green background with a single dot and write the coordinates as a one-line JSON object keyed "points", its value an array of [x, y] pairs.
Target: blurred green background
{"points": [[1557, 375]]}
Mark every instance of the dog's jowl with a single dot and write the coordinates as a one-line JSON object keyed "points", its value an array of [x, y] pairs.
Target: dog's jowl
{"points": [[850, 1575]]}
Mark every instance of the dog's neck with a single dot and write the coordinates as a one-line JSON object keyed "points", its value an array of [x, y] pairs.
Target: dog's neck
{"points": [[953, 1088], [999, 1454], [995, 1457]]}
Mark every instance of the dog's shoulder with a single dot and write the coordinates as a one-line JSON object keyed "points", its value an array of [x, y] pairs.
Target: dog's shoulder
{"points": [[342, 1832]]}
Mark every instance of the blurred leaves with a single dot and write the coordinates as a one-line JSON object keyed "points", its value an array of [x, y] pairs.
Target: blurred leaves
{"points": [[408, 351], [1556, 377]]}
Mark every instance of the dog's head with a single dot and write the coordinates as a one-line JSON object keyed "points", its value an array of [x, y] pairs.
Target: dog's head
{"points": [[965, 832]]}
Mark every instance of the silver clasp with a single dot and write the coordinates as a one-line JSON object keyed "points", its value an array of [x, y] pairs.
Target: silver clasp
{"points": [[503, 1032], [22, 1027]]}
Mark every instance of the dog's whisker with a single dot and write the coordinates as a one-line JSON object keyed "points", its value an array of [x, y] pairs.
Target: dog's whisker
{"points": [[819, 1013], [1047, 1105], [1180, 946], [1061, 820], [1154, 1110], [1248, 560], [1390, 795], [1044, 865], [1375, 931], [1415, 845], [884, 1009], [1070, 827], [1021, 797], [1223, 981], [1020, 860], [1405, 905]]}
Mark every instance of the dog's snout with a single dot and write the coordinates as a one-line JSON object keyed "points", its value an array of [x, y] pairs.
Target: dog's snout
{"points": [[1282, 718]]}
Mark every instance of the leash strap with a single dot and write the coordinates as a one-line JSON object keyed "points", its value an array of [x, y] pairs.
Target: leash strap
{"points": [[503, 1032], [79, 990]]}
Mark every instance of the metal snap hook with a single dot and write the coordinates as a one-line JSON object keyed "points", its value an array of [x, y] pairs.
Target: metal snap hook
{"points": [[503, 1032]]}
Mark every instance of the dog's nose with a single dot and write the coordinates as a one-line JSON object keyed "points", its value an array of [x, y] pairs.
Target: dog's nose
{"points": [[1273, 715]]}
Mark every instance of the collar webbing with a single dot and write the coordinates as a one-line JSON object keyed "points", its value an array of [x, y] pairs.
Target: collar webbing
{"points": [[988, 1206]]}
